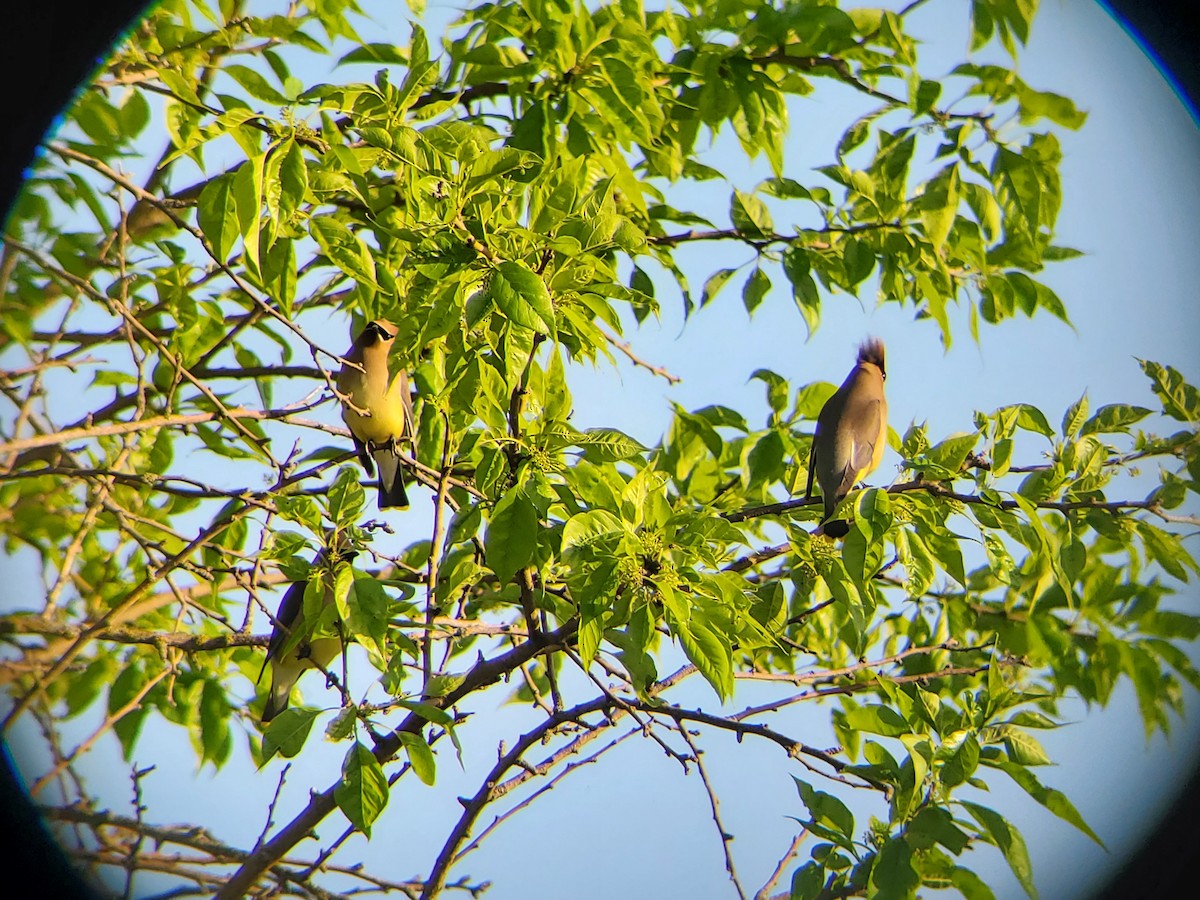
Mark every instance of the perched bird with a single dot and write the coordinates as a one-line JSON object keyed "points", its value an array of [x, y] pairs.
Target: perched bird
{"points": [[292, 649], [386, 399], [851, 434], [148, 221]]}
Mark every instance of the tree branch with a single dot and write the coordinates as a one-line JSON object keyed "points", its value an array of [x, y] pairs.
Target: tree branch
{"points": [[482, 674]]}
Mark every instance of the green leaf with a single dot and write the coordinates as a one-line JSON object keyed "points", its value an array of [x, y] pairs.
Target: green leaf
{"points": [[511, 535], [420, 756], [931, 825], [811, 397], [1008, 840], [1167, 550], [247, 188], [1016, 182], [442, 685], [764, 460], [999, 559], [877, 719], [363, 791], [970, 885], [341, 726], [1053, 800], [1074, 558], [797, 267], [1180, 400], [343, 248], [608, 444], [807, 882], [1031, 418], [950, 454], [293, 180], [591, 633], [856, 134], [216, 214], [893, 876], [522, 296], [959, 757], [826, 809], [85, 685], [429, 713], [588, 527], [255, 84], [858, 259], [215, 737], [1023, 748], [948, 552], [939, 205], [713, 285], [346, 497], [925, 96], [495, 164], [709, 651], [389, 54], [1034, 105], [760, 117], [750, 215], [367, 616], [777, 388], [755, 289], [1074, 417], [1115, 418], [287, 732]]}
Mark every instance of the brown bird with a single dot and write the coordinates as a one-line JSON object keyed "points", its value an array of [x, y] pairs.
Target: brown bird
{"points": [[293, 649], [851, 434], [388, 417]]}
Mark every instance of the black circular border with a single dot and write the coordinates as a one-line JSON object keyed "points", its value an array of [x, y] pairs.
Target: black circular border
{"points": [[52, 46]]}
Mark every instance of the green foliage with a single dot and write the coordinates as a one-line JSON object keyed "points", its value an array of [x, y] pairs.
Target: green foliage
{"points": [[503, 199]]}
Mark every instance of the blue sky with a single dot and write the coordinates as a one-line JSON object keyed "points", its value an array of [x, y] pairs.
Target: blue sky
{"points": [[1131, 179]]}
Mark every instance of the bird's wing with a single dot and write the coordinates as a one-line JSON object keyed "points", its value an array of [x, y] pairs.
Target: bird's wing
{"points": [[290, 609], [400, 392], [364, 457], [866, 424]]}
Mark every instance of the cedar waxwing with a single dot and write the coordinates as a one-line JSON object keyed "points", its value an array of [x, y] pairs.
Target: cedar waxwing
{"points": [[851, 434], [148, 221], [376, 436], [292, 650]]}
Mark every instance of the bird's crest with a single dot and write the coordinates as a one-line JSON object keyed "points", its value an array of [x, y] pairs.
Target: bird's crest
{"points": [[871, 351]]}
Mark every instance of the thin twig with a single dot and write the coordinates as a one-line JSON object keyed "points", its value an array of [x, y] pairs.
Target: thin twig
{"points": [[627, 349], [714, 804], [764, 892]]}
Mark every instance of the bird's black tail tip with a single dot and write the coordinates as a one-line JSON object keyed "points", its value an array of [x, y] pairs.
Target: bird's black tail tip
{"points": [[270, 710], [835, 528], [394, 498]]}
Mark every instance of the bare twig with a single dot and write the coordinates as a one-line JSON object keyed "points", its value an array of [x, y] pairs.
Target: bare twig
{"points": [[715, 806], [764, 892], [627, 349]]}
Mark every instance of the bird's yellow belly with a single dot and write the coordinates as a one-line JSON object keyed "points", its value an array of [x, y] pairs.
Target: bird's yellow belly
{"points": [[323, 651], [385, 422]]}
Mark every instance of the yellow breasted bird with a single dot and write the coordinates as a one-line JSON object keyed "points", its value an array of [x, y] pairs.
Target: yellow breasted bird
{"points": [[388, 406], [292, 649]]}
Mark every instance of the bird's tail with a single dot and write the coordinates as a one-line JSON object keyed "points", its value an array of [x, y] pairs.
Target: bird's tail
{"points": [[834, 528], [277, 702], [391, 479]]}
